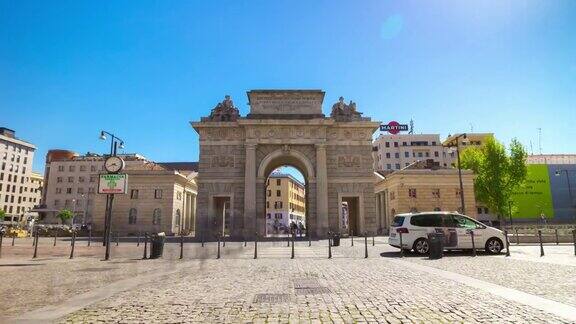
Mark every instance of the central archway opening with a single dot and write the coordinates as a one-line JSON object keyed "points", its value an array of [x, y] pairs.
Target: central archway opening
{"points": [[286, 208]]}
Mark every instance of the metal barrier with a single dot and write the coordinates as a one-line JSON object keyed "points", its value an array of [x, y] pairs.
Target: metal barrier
{"points": [[541, 246], [473, 243], [73, 243]]}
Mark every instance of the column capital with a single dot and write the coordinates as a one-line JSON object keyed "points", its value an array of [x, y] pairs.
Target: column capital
{"points": [[320, 146], [250, 146]]}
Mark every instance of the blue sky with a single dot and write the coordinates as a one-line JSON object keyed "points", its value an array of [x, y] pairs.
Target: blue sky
{"points": [[144, 69]]}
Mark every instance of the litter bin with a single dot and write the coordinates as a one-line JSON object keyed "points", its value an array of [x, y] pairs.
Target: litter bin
{"points": [[157, 245], [436, 245], [336, 239]]}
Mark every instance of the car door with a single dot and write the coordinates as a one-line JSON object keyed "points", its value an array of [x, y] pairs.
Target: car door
{"points": [[464, 226], [450, 228]]}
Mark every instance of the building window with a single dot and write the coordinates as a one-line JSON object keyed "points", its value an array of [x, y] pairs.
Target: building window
{"points": [[404, 144], [437, 209], [278, 182], [68, 190], [486, 211], [387, 155], [134, 194], [132, 215], [269, 193], [59, 179], [80, 179], [388, 166], [71, 168], [436, 154], [156, 216], [58, 190], [420, 154], [398, 166], [70, 179], [60, 168], [436, 193], [406, 154], [387, 144], [412, 193], [278, 193], [267, 204], [157, 193], [268, 215], [395, 144], [92, 168], [278, 215], [397, 155], [479, 209], [82, 168]]}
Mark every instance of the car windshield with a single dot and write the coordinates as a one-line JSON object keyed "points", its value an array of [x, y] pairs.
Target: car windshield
{"points": [[464, 222], [398, 221]]}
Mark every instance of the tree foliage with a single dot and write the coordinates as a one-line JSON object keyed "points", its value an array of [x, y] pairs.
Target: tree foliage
{"points": [[64, 215], [498, 172], [2, 214]]}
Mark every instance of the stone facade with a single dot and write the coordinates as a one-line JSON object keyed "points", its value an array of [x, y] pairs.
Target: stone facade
{"points": [[157, 200], [285, 127], [421, 189]]}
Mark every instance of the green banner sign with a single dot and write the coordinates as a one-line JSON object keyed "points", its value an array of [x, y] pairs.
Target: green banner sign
{"points": [[534, 196]]}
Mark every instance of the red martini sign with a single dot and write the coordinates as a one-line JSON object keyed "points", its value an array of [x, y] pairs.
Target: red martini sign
{"points": [[394, 128]]}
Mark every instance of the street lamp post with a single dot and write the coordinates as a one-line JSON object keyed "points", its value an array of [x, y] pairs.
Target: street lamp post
{"points": [[558, 173], [110, 197], [457, 145]]}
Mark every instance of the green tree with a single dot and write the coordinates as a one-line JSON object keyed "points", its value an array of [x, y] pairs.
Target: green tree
{"points": [[2, 214], [498, 172], [64, 215]]}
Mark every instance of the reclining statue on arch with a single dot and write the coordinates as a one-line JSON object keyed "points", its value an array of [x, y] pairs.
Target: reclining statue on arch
{"points": [[224, 111], [345, 112]]}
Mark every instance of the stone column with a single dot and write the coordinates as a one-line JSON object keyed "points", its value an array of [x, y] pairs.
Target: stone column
{"points": [[250, 190], [322, 225]]}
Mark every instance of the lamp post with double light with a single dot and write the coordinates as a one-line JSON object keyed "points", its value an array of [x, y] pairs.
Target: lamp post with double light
{"points": [[113, 164], [455, 144], [572, 205]]}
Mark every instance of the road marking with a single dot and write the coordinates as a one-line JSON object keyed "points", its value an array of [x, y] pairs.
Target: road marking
{"points": [[547, 305]]}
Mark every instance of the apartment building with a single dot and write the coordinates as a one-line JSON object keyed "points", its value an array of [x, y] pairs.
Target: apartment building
{"points": [[154, 191], [394, 152], [285, 203], [19, 190]]}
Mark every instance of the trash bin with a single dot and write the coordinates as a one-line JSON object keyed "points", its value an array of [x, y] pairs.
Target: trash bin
{"points": [[436, 245], [336, 239], [157, 245]]}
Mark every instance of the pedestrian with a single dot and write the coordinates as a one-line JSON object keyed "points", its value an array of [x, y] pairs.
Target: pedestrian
{"points": [[543, 218]]}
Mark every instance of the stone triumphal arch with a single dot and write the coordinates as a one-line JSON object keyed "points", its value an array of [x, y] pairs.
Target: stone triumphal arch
{"points": [[285, 127]]}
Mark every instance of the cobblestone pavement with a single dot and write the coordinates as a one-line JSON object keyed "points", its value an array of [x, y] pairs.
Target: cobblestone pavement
{"points": [[527, 273], [274, 288]]}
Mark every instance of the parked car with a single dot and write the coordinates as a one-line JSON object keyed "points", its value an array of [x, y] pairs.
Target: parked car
{"points": [[456, 228]]}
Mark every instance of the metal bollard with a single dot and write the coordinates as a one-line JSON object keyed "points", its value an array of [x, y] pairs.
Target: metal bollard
{"points": [[473, 244], [245, 241], [309, 238], [541, 246], [224, 240], [507, 244], [517, 238], [55, 237], [351, 238], [574, 240], [329, 246], [401, 248], [89, 236], [138, 240], [557, 241], [35, 245], [181, 246], [288, 240], [293, 236], [256, 245], [73, 244], [145, 246], [1, 237], [13, 238], [117, 238], [365, 245], [202, 239], [373, 243], [218, 255]]}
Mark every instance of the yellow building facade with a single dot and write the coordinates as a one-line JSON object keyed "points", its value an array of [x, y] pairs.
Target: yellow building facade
{"points": [[285, 203]]}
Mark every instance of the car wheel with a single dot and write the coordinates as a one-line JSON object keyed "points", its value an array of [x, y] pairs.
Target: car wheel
{"points": [[494, 245], [421, 246]]}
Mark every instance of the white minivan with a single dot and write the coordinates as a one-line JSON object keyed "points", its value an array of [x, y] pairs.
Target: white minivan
{"points": [[456, 228]]}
